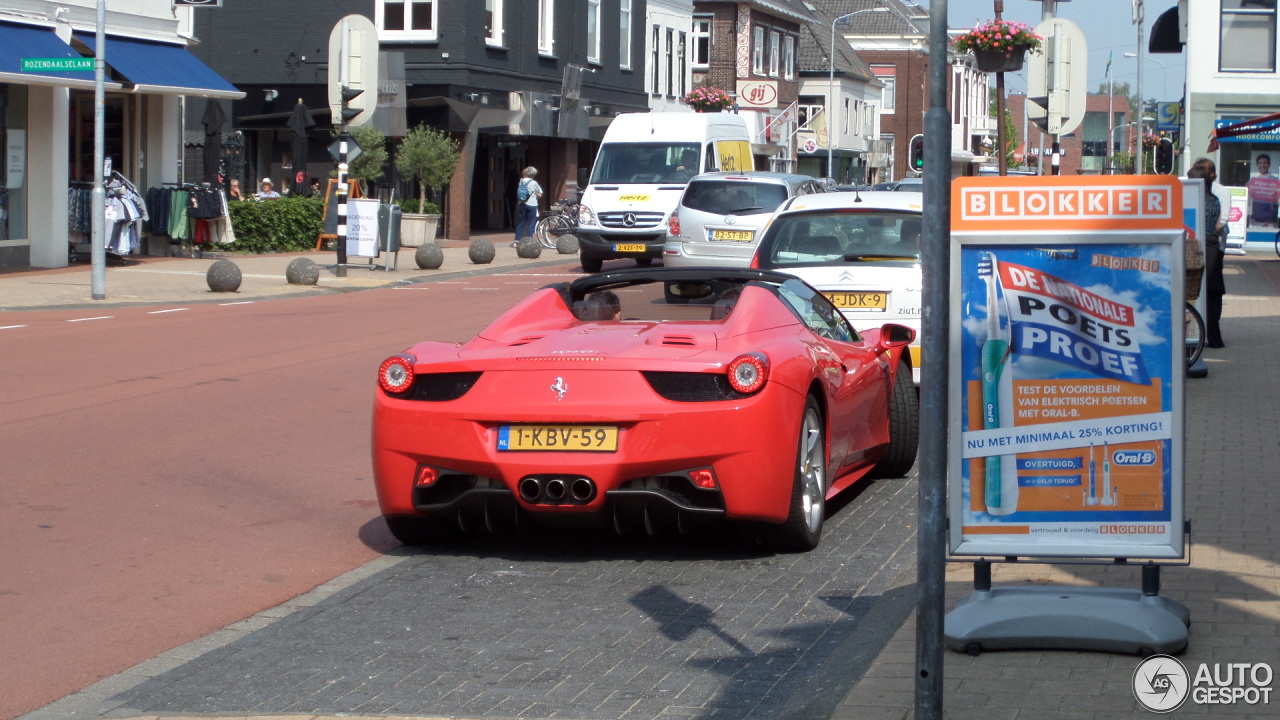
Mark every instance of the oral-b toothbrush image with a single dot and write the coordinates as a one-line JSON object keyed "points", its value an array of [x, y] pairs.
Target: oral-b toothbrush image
{"points": [[1001, 475], [1107, 498], [1092, 498]]}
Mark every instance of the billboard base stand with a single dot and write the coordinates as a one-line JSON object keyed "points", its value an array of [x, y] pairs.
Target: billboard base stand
{"points": [[1137, 622], [1198, 369]]}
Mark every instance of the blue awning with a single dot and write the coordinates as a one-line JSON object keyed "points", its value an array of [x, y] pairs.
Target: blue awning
{"points": [[156, 67], [32, 41]]}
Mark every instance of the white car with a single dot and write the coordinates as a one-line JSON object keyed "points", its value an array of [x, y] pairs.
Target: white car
{"points": [[862, 250], [721, 215]]}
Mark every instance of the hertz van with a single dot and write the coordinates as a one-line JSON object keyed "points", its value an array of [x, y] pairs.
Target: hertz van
{"points": [[644, 162]]}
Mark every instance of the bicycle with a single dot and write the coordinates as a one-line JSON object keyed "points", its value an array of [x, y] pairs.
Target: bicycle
{"points": [[1194, 333], [561, 219]]}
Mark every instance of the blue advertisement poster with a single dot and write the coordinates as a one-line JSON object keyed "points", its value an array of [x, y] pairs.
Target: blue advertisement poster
{"points": [[1067, 369]]}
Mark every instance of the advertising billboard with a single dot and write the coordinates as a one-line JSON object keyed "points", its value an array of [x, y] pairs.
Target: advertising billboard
{"points": [[1067, 368]]}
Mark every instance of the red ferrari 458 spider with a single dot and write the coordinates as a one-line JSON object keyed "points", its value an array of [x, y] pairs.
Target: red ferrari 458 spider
{"points": [[645, 398]]}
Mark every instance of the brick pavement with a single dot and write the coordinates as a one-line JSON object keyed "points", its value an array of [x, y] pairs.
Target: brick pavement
{"points": [[1232, 586]]}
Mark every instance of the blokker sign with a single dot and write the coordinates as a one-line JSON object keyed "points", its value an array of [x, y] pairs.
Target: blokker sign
{"points": [[1067, 204]]}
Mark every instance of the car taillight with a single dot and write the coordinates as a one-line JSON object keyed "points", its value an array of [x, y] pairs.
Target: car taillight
{"points": [[755, 261], [747, 373], [673, 225], [396, 374]]}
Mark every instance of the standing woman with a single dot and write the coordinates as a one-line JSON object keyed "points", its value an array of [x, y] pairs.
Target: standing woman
{"points": [[528, 193], [1214, 251]]}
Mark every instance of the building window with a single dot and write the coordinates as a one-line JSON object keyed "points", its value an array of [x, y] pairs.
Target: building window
{"points": [[844, 130], [624, 35], [546, 26], [1248, 36], [655, 69], [887, 74], [406, 19], [493, 21], [593, 31], [789, 58], [757, 50], [701, 42], [681, 65], [775, 52], [669, 56]]}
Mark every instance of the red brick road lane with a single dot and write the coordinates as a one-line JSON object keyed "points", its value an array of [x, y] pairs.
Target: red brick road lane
{"points": [[169, 473]]}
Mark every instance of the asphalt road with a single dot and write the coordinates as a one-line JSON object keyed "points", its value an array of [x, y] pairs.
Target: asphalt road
{"points": [[170, 471]]}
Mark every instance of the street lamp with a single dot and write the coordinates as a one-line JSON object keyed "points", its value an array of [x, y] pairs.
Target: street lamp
{"points": [[832, 128]]}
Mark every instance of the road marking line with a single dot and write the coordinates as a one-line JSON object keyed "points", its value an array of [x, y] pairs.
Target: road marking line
{"points": [[161, 312], [12, 327], [242, 302], [101, 317]]}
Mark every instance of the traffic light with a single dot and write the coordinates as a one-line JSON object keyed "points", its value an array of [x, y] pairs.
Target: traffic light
{"points": [[917, 153], [1164, 157], [349, 94]]}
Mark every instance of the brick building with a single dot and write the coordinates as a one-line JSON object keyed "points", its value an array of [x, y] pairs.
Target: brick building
{"points": [[1085, 148]]}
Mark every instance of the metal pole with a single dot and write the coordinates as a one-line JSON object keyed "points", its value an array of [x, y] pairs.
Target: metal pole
{"points": [[831, 87], [341, 269], [931, 542], [1001, 135], [1138, 151], [1111, 118], [98, 200]]}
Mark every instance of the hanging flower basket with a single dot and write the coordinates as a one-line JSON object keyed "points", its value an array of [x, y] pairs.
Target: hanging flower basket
{"points": [[707, 99], [998, 45], [995, 61]]}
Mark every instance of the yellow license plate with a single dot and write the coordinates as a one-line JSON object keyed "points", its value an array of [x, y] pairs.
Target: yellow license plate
{"points": [[859, 300], [588, 438], [733, 235], [628, 247]]}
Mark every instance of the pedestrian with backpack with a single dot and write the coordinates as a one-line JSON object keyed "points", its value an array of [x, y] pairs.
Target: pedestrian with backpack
{"points": [[528, 193]]}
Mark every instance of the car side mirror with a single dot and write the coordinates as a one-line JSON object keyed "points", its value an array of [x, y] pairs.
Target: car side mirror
{"points": [[894, 336]]}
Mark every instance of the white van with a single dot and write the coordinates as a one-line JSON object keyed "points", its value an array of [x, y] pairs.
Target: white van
{"points": [[645, 160]]}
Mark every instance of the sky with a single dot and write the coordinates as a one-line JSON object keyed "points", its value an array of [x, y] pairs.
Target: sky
{"points": [[1107, 26]]}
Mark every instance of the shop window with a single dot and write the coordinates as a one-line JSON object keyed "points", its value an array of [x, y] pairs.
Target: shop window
{"points": [[13, 176], [406, 19], [1247, 40]]}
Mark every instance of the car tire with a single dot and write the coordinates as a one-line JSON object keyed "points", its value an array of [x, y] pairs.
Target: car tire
{"points": [[803, 528], [414, 531], [591, 264], [904, 428]]}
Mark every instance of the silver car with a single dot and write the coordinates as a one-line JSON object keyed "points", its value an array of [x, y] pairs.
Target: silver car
{"points": [[722, 214]]}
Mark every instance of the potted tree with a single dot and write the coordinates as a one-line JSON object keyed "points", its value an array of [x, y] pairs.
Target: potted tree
{"points": [[429, 156], [998, 45]]}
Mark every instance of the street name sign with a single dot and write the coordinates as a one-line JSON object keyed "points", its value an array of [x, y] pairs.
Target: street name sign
{"points": [[57, 64]]}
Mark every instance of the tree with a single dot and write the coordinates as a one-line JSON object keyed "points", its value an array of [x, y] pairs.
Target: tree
{"points": [[373, 154], [430, 156], [1011, 142]]}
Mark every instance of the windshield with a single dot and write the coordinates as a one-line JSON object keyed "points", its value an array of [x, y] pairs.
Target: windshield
{"points": [[623, 163], [733, 197], [837, 238]]}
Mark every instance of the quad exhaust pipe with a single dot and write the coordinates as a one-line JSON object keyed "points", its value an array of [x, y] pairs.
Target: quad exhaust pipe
{"points": [[556, 490]]}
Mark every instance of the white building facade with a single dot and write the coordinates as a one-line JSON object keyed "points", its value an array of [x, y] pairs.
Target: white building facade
{"points": [[669, 48], [47, 117]]}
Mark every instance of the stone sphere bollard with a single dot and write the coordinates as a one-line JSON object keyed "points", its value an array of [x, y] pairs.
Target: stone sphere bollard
{"points": [[529, 248], [567, 244], [223, 276], [429, 256], [302, 271], [481, 252]]}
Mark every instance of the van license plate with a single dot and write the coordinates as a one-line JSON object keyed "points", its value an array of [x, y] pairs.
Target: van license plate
{"points": [[732, 235], [629, 247], [877, 301]]}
